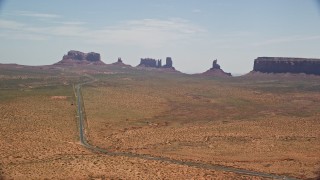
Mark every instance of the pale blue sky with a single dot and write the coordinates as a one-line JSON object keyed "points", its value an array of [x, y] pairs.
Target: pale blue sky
{"points": [[192, 32]]}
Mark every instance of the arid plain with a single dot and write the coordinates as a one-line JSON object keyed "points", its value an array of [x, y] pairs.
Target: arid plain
{"points": [[264, 123]]}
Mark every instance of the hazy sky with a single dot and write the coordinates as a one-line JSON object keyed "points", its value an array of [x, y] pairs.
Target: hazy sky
{"points": [[192, 32]]}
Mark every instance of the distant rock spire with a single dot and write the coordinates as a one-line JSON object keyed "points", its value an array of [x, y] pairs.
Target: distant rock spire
{"points": [[215, 64], [216, 71]]}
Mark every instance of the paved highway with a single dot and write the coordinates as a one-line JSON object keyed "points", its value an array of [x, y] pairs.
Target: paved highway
{"points": [[84, 142]]}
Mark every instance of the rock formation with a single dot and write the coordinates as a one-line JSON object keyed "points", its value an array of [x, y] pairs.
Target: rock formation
{"points": [[153, 63], [148, 62], [216, 70], [215, 64], [159, 63], [168, 63], [120, 63], [77, 57], [287, 65]]}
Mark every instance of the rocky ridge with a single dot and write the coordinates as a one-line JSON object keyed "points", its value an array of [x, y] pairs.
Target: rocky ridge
{"points": [[261, 64]]}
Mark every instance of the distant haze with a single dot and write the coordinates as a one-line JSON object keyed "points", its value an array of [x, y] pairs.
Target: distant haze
{"points": [[193, 33]]}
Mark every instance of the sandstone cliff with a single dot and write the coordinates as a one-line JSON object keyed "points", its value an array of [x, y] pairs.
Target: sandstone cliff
{"points": [[287, 65]]}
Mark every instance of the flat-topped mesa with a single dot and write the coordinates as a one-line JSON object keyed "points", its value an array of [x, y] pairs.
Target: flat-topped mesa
{"points": [[153, 63], [76, 57], [287, 65]]}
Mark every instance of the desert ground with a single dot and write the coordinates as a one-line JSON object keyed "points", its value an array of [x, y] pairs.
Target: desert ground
{"points": [[264, 123]]}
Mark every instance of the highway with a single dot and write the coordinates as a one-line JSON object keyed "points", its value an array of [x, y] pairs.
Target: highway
{"points": [[84, 142]]}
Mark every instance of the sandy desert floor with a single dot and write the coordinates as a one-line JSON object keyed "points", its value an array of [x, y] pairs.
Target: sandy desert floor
{"points": [[262, 124], [39, 140], [216, 123]]}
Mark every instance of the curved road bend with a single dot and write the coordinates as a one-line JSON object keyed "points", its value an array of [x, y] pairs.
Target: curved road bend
{"points": [[85, 143]]}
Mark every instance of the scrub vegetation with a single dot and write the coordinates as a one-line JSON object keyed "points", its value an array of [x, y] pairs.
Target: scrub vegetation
{"points": [[266, 123]]}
